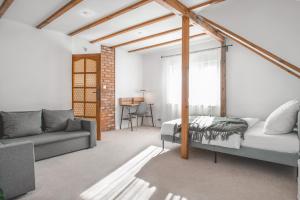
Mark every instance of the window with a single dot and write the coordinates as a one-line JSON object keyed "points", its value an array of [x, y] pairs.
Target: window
{"points": [[204, 84]]}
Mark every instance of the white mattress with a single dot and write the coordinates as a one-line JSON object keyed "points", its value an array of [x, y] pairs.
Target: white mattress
{"points": [[255, 138]]}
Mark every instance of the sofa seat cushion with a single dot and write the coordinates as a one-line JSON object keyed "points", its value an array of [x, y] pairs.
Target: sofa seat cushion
{"points": [[46, 138]]}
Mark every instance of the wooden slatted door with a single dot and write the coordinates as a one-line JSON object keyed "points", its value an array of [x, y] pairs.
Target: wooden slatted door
{"points": [[86, 87]]}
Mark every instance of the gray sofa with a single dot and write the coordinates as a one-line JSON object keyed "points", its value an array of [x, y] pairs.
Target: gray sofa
{"points": [[32, 136]]}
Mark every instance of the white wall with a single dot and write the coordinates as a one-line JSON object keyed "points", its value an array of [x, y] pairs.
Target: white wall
{"points": [[129, 78], [255, 87], [80, 46], [35, 69]]}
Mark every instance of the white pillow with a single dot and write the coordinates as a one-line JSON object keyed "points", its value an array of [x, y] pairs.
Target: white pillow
{"points": [[283, 119], [251, 121]]}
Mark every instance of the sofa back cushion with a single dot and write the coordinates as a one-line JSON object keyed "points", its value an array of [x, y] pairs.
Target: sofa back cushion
{"points": [[56, 120], [20, 124]]}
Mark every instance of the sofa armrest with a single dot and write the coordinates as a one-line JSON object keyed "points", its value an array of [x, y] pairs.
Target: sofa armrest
{"points": [[90, 126], [298, 126], [16, 169]]}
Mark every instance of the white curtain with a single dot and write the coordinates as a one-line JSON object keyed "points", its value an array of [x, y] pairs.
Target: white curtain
{"points": [[204, 84]]}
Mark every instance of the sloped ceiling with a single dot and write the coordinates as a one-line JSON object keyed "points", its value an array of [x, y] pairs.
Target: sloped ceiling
{"points": [[32, 12]]}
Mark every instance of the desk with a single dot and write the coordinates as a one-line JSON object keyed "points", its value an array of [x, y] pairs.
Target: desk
{"points": [[129, 106]]}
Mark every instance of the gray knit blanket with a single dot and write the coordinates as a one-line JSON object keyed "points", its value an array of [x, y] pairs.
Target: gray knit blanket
{"points": [[212, 128]]}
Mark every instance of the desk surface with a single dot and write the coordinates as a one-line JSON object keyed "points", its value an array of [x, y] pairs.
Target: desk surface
{"points": [[131, 104], [134, 104]]}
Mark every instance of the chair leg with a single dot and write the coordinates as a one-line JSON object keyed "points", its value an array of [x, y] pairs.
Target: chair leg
{"points": [[130, 119], [151, 115], [121, 117], [142, 120], [137, 121]]}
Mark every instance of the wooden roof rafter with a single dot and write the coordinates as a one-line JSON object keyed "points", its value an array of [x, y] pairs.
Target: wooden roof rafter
{"points": [[58, 13], [180, 9], [165, 43], [4, 6], [149, 22]]}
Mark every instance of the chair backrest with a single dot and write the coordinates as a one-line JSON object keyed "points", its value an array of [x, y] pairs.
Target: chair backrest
{"points": [[142, 108]]}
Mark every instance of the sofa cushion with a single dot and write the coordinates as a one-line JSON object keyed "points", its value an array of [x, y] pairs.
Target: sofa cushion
{"points": [[20, 124], [46, 138], [56, 120], [73, 125]]}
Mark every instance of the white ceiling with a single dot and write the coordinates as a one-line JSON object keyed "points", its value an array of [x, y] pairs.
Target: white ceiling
{"points": [[32, 12]]}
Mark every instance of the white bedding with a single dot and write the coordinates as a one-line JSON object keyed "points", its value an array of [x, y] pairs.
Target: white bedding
{"points": [[254, 138]]}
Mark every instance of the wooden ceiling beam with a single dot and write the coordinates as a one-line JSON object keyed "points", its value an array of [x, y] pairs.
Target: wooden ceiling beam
{"points": [[180, 9], [283, 64], [131, 28], [165, 43], [151, 22], [4, 6], [58, 13], [110, 17], [148, 37]]}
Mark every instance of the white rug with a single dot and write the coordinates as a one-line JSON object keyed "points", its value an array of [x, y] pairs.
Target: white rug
{"points": [[122, 183]]}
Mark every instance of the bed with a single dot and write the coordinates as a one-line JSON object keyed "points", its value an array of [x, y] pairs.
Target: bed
{"points": [[281, 149]]}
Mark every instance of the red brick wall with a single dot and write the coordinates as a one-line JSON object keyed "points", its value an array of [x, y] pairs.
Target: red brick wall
{"points": [[107, 88]]}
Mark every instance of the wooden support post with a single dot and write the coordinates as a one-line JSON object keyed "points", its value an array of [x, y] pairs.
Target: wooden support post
{"points": [[185, 87], [223, 79]]}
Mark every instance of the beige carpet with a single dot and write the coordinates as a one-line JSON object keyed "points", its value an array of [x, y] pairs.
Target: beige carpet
{"points": [[232, 178]]}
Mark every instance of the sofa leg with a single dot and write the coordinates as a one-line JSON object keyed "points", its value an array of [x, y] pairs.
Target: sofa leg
{"points": [[297, 173], [163, 144]]}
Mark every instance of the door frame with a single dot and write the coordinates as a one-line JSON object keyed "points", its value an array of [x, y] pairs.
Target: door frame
{"points": [[76, 57]]}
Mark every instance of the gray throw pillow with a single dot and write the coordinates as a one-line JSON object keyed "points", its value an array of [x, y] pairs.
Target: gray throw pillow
{"points": [[74, 125], [56, 120], [20, 124]]}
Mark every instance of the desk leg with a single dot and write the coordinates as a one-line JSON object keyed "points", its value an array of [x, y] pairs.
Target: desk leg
{"points": [[121, 117], [151, 115], [130, 119]]}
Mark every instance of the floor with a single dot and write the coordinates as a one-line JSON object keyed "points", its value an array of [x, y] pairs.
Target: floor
{"points": [[66, 177]]}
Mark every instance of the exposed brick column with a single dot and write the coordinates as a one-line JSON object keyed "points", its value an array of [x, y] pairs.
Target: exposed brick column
{"points": [[107, 88]]}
